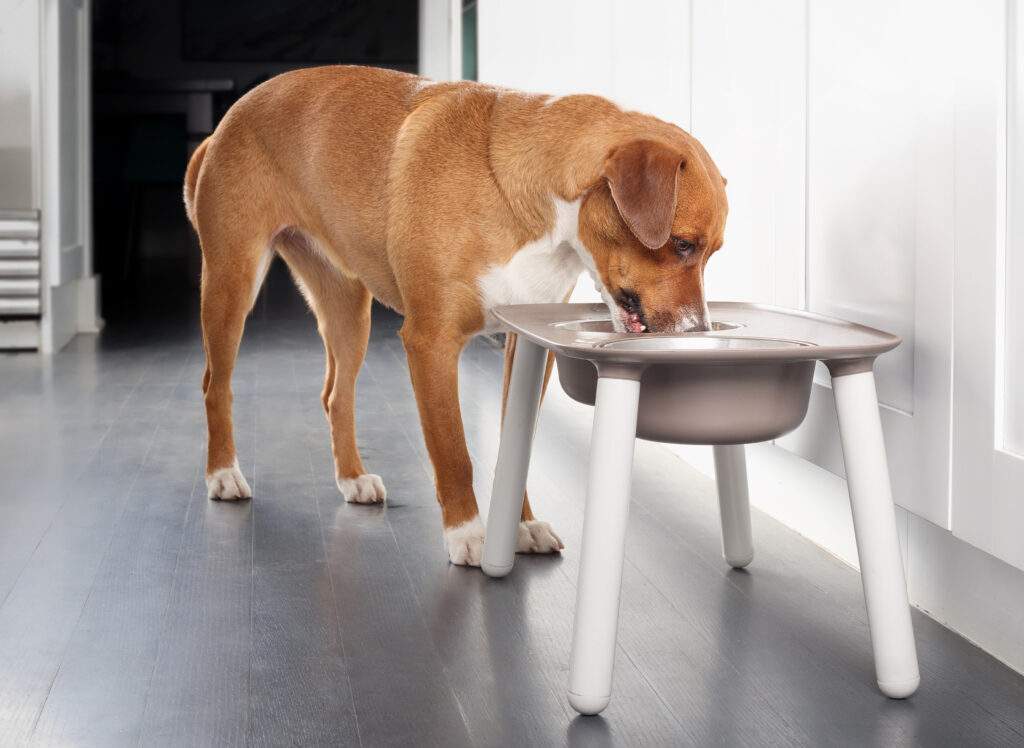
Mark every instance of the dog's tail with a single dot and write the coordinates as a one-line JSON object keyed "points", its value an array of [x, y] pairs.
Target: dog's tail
{"points": [[191, 177]]}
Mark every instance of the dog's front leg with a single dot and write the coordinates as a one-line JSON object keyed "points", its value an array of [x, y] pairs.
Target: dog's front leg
{"points": [[434, 367]]}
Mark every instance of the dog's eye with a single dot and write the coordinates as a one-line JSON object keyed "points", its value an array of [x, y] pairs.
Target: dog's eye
{"points": [[683, 248]]}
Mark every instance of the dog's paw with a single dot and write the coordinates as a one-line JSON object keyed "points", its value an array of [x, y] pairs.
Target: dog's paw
{"points": [[537, 537], [227, 484], [363, 489], [465, 543]]}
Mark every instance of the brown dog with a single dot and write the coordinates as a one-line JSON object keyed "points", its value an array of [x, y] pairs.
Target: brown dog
{"points": [[441, 200]]}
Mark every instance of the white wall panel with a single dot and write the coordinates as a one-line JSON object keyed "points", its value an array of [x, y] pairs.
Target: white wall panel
{"points": [[880, 204], [650, 58], [861, 179], [558, 48], [1011, 407], [988, 505], [1013, 377], [615, 50], [749, 112]]}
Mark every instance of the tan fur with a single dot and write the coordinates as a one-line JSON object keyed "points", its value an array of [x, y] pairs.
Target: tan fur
{"points": [[373, 183]]}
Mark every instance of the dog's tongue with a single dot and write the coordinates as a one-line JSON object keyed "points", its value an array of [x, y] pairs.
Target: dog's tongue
{"points": [[634, 324]]}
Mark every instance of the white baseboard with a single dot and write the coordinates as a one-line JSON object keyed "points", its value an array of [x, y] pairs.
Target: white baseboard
{"points": [[89, 319], [70, 309], [963, 588]]}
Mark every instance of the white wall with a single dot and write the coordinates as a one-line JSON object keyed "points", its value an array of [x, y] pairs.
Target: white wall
{"points": [[866, 150], [440, 40], [635, 53], [19, 105]]}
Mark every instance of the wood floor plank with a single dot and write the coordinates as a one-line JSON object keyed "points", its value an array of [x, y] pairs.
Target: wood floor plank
{"points": [[300, 692], [43, 607], [99, 695], [475, 626], [199, 689], [389, 653], [52, 422]]}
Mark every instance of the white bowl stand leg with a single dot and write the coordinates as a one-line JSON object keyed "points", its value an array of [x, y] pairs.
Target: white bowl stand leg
{"points": [[874, 523], [513, 463], [604, 544], [734, 504]]}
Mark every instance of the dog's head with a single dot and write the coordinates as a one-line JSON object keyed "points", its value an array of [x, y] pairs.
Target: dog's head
{"points": [[650, 226]]}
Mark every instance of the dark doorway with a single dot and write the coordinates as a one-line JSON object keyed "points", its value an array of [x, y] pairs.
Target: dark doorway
{"points": [[164, 73]]}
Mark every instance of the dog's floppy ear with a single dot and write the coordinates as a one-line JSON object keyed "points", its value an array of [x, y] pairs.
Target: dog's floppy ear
{"points": [[642, 178]]}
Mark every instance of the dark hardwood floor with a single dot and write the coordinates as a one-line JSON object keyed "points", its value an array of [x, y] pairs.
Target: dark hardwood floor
{"points": [[135, 612]]}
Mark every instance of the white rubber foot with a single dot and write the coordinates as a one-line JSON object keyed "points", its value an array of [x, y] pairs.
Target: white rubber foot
{"points": [[588, 705], [900, 689], [739, 563], [495, 571]]}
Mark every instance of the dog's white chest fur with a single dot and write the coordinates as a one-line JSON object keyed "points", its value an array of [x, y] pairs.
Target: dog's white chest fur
{"points": [[543, 271]]}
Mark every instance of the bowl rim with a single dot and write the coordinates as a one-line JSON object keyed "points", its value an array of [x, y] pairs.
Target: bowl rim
{"points": [[825, 338]]}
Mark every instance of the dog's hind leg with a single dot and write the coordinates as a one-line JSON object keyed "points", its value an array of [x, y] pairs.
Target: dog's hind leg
{"points": [[342, 308], [228, 288]]}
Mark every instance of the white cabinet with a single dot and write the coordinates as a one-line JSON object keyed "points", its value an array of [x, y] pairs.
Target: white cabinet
{"points": [[988, 462], [880, 187]]}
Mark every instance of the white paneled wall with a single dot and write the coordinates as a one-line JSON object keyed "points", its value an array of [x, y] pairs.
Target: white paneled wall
{"points": [[749, 111], [988, 479], [635, 53], [880, 223], [861, 158], [868, 154]]}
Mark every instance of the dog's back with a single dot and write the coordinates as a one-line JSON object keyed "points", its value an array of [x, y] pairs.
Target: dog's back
{"points": [[279, 129]]}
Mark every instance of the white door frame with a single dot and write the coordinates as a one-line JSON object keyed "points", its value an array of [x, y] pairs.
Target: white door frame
{"points": [[69, 292]]}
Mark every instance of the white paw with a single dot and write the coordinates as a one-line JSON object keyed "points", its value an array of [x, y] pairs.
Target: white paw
{"points": [[228, 484], [363, 489], [465, 543], [537, 537]]}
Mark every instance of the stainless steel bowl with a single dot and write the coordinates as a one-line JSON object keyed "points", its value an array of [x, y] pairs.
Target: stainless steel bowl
{"points": [[707, 404]]}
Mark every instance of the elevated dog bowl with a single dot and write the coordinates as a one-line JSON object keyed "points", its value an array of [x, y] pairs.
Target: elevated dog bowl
{"points": [[746, 380]]}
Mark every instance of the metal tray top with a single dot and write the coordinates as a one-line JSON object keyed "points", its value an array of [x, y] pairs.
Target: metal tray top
{"points": [[744, 333]]}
